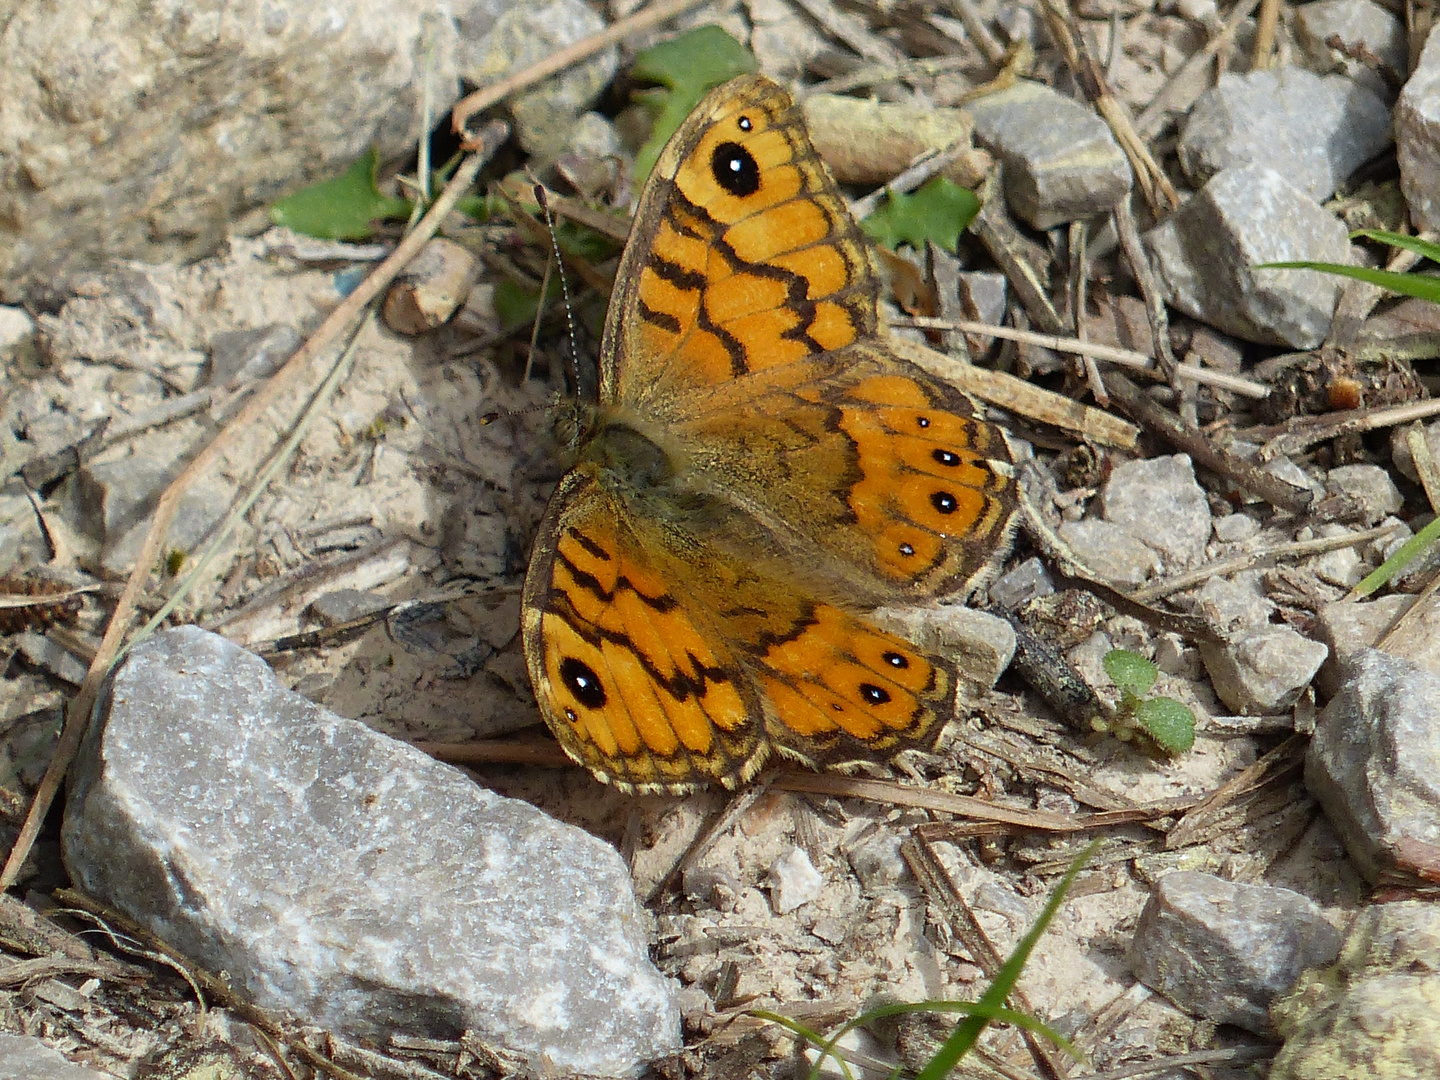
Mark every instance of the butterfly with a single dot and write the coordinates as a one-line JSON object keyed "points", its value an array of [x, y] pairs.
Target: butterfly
{"points": [[759, 473]]}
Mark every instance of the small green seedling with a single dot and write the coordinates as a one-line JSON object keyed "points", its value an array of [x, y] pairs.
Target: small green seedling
{"points": [[1167, 722]]}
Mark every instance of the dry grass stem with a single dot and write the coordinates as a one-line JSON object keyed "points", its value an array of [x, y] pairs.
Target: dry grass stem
{"points": [[1111, 354], [1251, 560], [1298, 435], [78, 715], [1272, 764]]}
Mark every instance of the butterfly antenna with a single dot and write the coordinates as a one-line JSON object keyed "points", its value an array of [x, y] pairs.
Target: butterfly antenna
{"points": [[564, 285]]}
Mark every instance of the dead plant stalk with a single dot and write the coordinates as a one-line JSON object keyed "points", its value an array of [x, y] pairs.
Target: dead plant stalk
{"points": [[347, 312]]}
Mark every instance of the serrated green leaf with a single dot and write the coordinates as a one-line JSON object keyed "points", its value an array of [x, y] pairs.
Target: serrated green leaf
{"points": [[1420, 286], [939, 212], [687, 66], [1130, 671], [345, 208], [1168, 722]]}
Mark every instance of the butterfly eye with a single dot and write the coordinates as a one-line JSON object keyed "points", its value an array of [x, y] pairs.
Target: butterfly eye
{"points": [[582, 682], [735, 169]]}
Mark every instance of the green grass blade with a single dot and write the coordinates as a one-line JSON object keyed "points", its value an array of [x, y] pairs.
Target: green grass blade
{"points": [[827, 1046], [1426, 248], [1419, 286], [1405, 554], [963, 1038]]}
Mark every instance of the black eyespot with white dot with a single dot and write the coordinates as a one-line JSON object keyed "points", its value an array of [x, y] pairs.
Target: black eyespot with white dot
{"points": [[944, 502], [895, 660], [582, 681], [948, 458], [874, 695], [907, 550], [922, 421], [735, 169], [744, 123]]}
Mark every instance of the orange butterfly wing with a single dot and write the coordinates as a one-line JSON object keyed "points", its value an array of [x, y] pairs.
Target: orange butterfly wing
{"points": [[665, 662], [753, 260], [759, 472]]}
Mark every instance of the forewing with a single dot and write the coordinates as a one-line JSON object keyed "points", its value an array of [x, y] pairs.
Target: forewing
{"points": [[743, 255]]}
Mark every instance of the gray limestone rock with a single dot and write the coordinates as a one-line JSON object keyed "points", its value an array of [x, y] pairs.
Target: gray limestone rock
{"points": [[115, 496], [1348, 626], [1246, 215], [24, 1057], [1021, 585], [1235, 607], [1375, 1013], [1361, 27], [1374, 765], [1159, 503], [1417, 137], [1225, 951], [1369, 487], [1061, 162], [1313, 130], [1263, 671], [528, 33], [343, 876], [1110, 550], [131, 131]]}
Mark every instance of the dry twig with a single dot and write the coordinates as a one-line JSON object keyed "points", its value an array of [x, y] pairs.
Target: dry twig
{"points": [[1167, 425], [78, 715], [557, 62]]}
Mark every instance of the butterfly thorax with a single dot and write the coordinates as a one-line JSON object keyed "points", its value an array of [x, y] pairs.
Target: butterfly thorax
{"points": [[626, 454]]}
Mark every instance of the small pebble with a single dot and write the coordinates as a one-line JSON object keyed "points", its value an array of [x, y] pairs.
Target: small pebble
{"points": [[1236, 528], [793, 881], [1223, 951]]}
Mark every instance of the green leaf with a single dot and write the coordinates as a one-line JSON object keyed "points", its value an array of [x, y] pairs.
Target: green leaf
{"points": [[1168, 722], [939, 212], [1130, 671], [584, 242], [345, 208], [1421, 286], [518, 306], [1429, 250], [688, 66]]}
